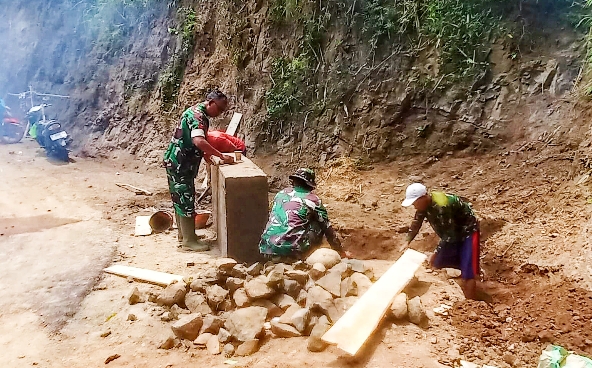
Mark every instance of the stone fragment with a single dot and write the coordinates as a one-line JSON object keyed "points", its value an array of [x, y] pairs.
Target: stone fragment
{"points": [[300, 319], [283, 330], [211, 324], [315, 344], [168, 343], [416, 312], [399, 307], [301, 299], [225, 264], [213, 345], [233, 283], [173, 294], [202, 340], [272, 309], [328, 257], [215, 295], [331, 282], [291, 287], [317, 271], [255, 269], [240, 298], [224, 336], [196, 303], [299, 276], [361, 282], [188, 327], [135, 296], [246, 323], [257, 288], [284, 301], [228, 350], [287, 316], [248, 347]]}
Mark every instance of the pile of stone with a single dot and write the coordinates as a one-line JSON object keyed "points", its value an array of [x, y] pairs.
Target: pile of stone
{"points": [[229, 308]]}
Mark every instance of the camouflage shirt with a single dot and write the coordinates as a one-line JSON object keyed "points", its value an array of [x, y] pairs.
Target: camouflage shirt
{"points": [[293, 211], [181, 153], [451, 218]]}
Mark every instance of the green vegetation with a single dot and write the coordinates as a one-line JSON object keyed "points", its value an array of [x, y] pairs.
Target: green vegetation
{"points": [[586, 21], [171, 78]]}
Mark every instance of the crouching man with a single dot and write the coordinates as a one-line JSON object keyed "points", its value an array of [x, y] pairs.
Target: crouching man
{"points": [[297, 222]]}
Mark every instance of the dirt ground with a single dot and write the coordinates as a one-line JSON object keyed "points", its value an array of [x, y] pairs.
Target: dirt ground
{"points": [[62, 224]]}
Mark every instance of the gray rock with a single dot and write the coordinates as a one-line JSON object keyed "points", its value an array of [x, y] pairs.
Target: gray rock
{"points": [[291, 287], [196, 303], [417, 314], [357, 265], [200, 285], [299, 276], [215, 295], [361, 282], [224, 336], [272, 309], [283, 330], [225, 264], [248, 347], [287, 316], [301, 299], [211, 324], [131, 317], [328, 257], [347, 289], [228, 350], [213, 346], [167, 316], [233, 283], [239, 271], [257, 288], [284, 301], [399, 307], [255, 269], [202, 340], [317, 271], [315, 344], [188, 327], [318, 297], [227, 305], [331, 282], [173, 294], [135, 296], [240, 298], [300, 319], [452, 273], [343, 268], [246, 323], [275, 276]]}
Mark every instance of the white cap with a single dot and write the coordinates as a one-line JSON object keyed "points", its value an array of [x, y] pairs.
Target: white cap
{"points": [[413, 192]]}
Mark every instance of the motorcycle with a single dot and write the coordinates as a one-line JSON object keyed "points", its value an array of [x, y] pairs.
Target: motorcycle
{"points": [[48, 133], [11, 130]]}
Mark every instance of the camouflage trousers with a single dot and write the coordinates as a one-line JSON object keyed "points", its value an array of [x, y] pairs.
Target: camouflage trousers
{"points": [[182, 189]]}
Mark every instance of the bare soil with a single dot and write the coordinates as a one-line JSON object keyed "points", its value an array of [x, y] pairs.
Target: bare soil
{"points": [[62, 224]]}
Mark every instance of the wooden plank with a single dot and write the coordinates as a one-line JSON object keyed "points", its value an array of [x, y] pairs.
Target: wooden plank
{"points": [[234, 122], [143, 226], [141, 274], [355, 327]]}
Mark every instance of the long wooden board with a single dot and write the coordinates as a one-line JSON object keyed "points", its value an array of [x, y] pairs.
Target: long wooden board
{"points": [[355, 327], [141, 274], [234, 122]]}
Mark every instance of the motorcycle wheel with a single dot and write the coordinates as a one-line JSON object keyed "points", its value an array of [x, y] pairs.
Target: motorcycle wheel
{"points": [[11, 133], [60, 154]]}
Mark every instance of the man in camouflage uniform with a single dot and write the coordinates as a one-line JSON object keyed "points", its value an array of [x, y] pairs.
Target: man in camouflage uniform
{"points": [[297, 222], [182, 159], [455, 223]]}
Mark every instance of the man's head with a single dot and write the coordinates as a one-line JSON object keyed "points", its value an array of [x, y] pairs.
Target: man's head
{"points": [[216, 103], [417, 195], [304, 178]]}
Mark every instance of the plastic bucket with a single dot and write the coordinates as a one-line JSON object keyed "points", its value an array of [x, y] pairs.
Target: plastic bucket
{"points": [[201, 218], [161, 221]]}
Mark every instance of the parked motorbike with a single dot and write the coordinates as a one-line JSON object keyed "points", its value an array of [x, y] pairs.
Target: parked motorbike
{"points": [[48, 133], [11, 130]]}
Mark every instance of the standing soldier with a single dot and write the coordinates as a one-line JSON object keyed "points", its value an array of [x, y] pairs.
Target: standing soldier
{"points": [[182, 159]]}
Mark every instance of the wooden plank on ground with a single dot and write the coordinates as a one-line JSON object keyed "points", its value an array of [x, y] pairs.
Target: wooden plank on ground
{"points": [[141, 274], [234, 122], [355, 327]]}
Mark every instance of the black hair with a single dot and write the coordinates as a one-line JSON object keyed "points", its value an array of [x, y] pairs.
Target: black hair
{"points": [[215, 95]]}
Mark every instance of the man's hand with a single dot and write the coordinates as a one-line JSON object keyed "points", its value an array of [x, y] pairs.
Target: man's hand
{"points": [[209, 160], [227, 159]]}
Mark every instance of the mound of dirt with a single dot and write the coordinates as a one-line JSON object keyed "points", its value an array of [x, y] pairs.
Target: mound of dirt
{"points": [[532, 309]]}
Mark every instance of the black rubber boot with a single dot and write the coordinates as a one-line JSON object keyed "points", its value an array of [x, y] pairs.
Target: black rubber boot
{"points": [[190, 240]]}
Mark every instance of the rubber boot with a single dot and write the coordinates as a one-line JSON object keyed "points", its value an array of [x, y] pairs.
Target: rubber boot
{"points": [[190, 240], [179, 232]]}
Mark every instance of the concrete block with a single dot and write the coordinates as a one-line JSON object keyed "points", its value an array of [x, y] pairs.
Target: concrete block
{"points": [[240, 203]]}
